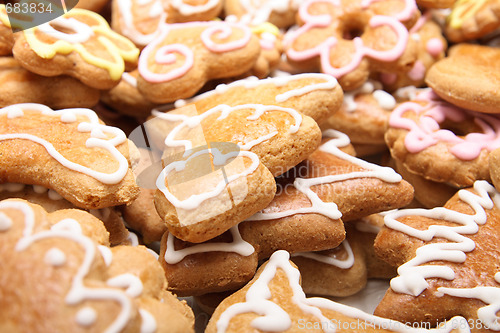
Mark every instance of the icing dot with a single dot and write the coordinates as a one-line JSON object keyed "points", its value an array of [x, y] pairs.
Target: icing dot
{"points": [[434, 46], [55, 257], [68, 117], [497, 277], [385, 100], [53, 195], [106, 254], [39, 189], [86, 316], [5, 222], [417, 73], [148, 324]]}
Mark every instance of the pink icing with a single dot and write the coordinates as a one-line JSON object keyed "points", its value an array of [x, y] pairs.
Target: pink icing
{"points": [[165, 54], [323, 50], [428, 131], [434, 46], [417, 72]]}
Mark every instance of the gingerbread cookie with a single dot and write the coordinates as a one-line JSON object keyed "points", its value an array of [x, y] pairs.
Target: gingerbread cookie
{"points": [[21, 86], [472, 19], [75, 281], [275, 302], [442, 142], [51, 201], [69, 151], [304, 216], [468, 77], [315, 95], [448, 260], [350, 39], [281, 137], [79, 44], [210, 191], [178, 62], [336, 183]]}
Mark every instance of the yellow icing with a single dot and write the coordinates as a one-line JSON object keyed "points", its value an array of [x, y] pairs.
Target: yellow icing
{"points": [[266, 27], [3, 16], [462, 10], [105, 36]]}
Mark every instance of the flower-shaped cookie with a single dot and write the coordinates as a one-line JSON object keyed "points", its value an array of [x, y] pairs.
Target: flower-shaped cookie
{"points": [[348, 39], [80, 44]]}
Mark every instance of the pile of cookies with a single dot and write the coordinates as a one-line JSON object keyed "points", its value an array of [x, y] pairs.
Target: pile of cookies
{"points": [[249, 155]]}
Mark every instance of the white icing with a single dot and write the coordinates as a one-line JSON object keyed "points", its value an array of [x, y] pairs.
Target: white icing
{"points": [[253, 82], [488, 295], [96, 140], [127, 24], [384, 99], [53, 195], [86, 317], [5, 222], [129, 79], [413, 274], [250, 144], [224, 110], [129, 281], [273, 318], [55, 257], [304, 185], [219, 158], [238, 245], [409, 92], [70, 229], [106, 254], [187, 9], [148, 324], [330, 259], [81, 31], [133, 239]]}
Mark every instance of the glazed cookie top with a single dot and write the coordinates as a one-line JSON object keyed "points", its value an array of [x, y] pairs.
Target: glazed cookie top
{"points": [[274, 302], [78, 274], [89, 159], [430, 136], [184, 56], [80, 36], [443, 250]]}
